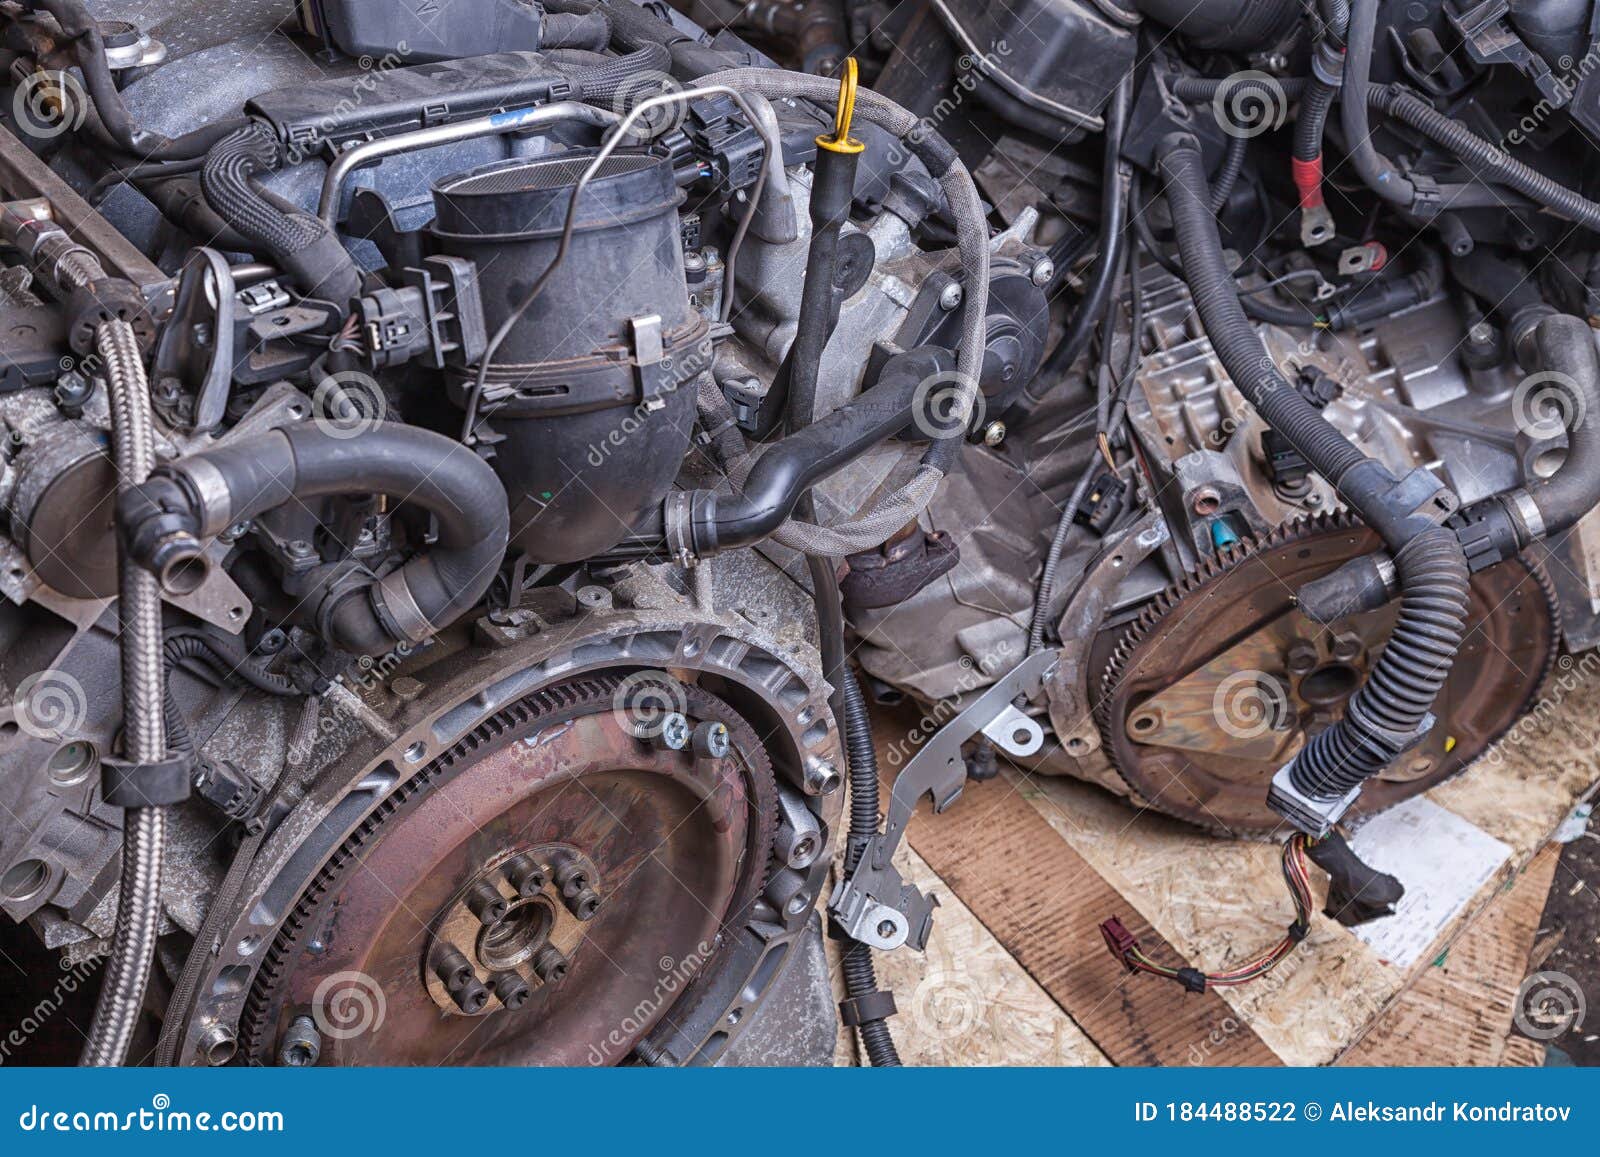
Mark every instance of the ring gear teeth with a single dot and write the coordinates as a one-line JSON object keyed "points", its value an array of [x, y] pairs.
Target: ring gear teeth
{"points": [[554, 705]]}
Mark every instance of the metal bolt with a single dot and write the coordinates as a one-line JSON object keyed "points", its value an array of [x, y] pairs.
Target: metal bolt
{"points": [[1347, 646], [218, 1044], [710, 740], [594, 598], [486, 903], [576, 891], [301, 1044], [994, 433], [674, 733], [1302, 657], [550, 964], [451, 967], [512, 990], [526, 876], [300, 548], [1481, 334], [822, 778], [950, 296], [1043, 270], [471, 997]]}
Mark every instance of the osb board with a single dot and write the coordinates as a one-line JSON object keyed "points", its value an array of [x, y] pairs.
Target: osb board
{"points": [[1460, 1010], [1043, 901], [1216, 901], [966, 1001]]}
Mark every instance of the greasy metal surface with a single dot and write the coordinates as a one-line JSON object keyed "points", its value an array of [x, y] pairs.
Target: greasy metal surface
{"points": [[668, 836], [1221, 679]]}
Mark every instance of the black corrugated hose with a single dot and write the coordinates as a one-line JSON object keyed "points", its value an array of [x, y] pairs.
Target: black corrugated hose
{"points": [[1431, 566], [860, 977]]}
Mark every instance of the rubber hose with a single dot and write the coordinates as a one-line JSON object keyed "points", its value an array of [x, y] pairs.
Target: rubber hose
{"points": [[1108, 260], [297, 242], [603, 84], [1565, 349], [1238, 346], [144, 829], [410, 464], [586, 30]]}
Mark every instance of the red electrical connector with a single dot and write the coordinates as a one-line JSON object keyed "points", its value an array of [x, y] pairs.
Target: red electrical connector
{"points": [[1121, 942]]}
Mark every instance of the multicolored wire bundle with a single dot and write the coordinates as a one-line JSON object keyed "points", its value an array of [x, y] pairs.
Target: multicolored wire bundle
{"points": [[1126, 949]]}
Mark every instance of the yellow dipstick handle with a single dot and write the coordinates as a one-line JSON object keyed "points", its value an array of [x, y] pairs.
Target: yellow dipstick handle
{"points": [[841, 141]]}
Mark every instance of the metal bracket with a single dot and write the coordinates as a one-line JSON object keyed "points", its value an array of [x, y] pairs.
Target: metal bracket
{"points": [[873, 904]]}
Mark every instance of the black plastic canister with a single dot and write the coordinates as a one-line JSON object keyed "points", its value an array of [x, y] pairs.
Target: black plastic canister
{"points": [[587, 410]]}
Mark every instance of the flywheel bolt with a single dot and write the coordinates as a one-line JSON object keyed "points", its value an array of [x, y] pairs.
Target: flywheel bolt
{"points": [[301, 1045], [710, 740], [550, 964], [674, 732], [512, 990], [486, 903], [526, 876]]}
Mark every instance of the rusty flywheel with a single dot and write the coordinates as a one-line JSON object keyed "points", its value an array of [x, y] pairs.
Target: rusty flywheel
{"points": [[542, 893], [1220, 680]]}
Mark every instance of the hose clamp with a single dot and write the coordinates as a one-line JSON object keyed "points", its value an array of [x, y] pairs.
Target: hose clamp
{"points": [[400, 605], [1527, 512], [210, 487]]}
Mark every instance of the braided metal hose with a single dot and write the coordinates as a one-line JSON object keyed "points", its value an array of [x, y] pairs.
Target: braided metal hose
{"points": [[144, 730]]}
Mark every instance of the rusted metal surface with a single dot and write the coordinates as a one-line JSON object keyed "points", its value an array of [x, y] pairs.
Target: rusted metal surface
{"points": [[673, 845], [1222, 680]]}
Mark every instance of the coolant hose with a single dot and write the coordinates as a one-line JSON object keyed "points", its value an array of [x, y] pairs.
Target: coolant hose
{"points": [[1390, 710], [300, 244], [1107, 263], [198, 496], [144, 829], [872, 526], [1563, 350]]}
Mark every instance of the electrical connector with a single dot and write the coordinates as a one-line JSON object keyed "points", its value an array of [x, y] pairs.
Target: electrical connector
{"points": [[1120, 942]]}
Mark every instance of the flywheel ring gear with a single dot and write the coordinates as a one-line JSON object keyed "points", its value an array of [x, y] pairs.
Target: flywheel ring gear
{"points": [[542, 759], [1218, 681]]}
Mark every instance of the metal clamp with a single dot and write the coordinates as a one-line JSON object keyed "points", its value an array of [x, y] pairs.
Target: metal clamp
{"points": [[873, 904]]}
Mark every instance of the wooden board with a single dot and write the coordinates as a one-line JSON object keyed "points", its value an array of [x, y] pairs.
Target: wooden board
{"points": [[1039, 861]]}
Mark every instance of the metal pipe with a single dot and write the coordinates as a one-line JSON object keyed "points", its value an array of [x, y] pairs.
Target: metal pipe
{"points": [[516, 120]]}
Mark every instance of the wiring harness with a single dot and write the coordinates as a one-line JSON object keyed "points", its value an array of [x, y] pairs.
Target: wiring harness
{"points": [[1127, 951]]}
